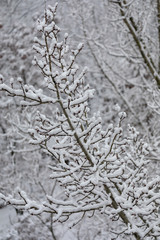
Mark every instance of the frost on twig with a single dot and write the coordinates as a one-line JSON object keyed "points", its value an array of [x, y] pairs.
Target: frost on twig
{"points": [[98, 170]]}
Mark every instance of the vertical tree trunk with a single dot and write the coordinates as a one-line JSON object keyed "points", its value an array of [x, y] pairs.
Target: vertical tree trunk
{"points": [[158, 22]]}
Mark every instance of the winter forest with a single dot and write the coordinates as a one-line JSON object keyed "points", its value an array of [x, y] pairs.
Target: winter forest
{"points": [[80, 119]]}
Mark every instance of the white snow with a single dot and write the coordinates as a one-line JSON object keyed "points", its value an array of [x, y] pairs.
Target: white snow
{"points": [[8, 217]]}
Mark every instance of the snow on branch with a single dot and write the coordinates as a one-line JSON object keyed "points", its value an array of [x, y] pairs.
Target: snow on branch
{"points": [[30, 95]]}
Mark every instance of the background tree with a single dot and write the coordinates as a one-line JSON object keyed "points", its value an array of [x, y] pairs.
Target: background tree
{"points": [[122, 39]]}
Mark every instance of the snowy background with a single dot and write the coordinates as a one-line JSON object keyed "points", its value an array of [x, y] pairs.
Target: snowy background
{"points": [[123, 83]]}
